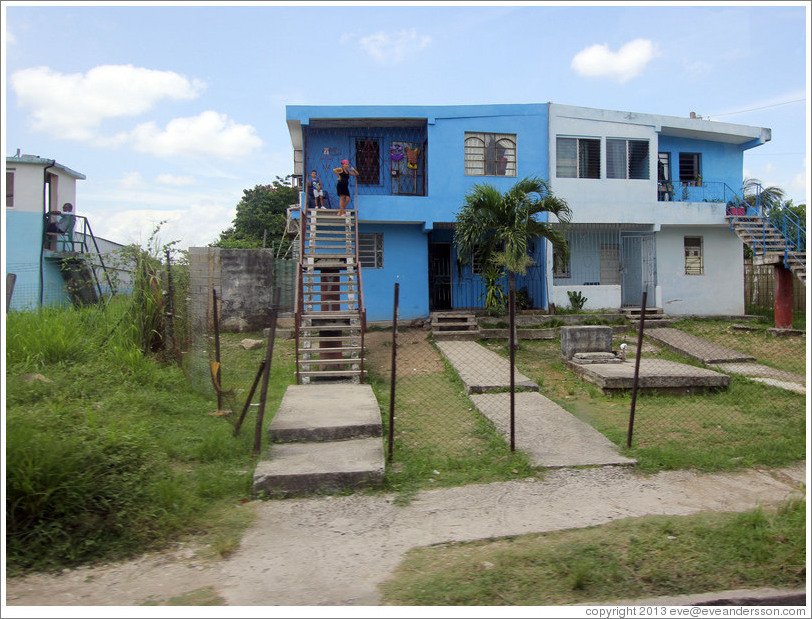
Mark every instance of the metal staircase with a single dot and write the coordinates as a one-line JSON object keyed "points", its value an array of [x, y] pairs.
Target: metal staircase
{"points": [[780, 240], [330, 314]]}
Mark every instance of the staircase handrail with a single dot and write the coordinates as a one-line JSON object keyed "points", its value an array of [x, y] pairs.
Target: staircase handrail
{"points": [[300, 285], [361, 308]]}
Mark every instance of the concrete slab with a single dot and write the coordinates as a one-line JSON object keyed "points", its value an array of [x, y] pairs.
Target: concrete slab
{"points": [[695, 347], [294, 469], [326, 413], [550, 435], [654, 375], [480, 369]]}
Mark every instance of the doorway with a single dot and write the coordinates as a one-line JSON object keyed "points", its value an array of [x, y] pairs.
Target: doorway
{"points": [[439, 276]]}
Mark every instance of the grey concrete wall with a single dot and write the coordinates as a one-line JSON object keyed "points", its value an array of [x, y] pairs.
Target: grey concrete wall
{"points": [[245, 280]]}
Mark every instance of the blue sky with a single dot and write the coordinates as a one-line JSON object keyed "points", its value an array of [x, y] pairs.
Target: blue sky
{"points": [[171, 111]]}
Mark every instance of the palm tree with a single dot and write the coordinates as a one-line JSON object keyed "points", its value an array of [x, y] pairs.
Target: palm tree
{"points": [[499, 226], [768, 197]]}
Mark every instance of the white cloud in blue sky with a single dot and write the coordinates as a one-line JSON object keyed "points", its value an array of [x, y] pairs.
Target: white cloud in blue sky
{"points": [[74, 105], [391, 48], [626, 63]]}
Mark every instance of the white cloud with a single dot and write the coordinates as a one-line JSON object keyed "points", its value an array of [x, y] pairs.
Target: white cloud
{"points": [[626, 63], [132, 180], [172, 179], [205, 135], [74, 105], [392, 48]]}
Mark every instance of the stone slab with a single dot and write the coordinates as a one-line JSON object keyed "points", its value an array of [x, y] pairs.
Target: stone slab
{"points": [[695, 347], [480, 369], [654, 375], [326, 413], [294, 469], [551, 436]]}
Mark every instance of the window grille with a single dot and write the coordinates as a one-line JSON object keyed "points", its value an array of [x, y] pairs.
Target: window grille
{"points": [[694, 264], [368, 162], [490, 154], [578, 158], [370, 250], [627, 159], [689, 170]]}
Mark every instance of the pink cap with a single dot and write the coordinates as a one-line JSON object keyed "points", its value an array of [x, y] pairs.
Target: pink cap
{"points": [[345, 161]]}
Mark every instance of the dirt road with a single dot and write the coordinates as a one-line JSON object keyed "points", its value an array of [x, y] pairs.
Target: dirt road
{"points": [[336, 550]]}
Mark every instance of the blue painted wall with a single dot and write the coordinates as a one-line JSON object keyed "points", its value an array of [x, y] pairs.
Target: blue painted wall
{"points": [[23, 243], [406, 246], [720, 163]]}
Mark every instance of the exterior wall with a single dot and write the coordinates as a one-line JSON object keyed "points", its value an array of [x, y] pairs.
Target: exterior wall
{"points": [[719, 291], [28, 181], [405, 261], [23, 259]]}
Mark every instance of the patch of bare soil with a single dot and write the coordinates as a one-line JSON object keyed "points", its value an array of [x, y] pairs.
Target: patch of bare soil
{"points": [[415, 352]]}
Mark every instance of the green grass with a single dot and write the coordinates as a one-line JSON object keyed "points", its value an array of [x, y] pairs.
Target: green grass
{"points": [[440, 438], [626, 559], [110, 453]]}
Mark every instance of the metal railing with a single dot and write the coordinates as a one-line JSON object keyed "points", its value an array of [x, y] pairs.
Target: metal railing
{"points": [[77, 239], [696, 191]]}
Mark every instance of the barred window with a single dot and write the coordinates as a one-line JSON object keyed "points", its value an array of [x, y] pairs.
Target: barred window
{"points": [[368, 161], [561, 267], [490, 154], [627, 159], [9, 189], [578, 158], [370, 250], [694, 264], [689, 169]]}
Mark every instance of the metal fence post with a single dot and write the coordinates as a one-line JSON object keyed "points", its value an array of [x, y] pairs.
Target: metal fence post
{"points": [[636, 370], [263, 396], [394, 372]]}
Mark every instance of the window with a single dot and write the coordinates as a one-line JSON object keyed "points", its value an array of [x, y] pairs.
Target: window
{"points": [[368, 162], [627, 159], [610, 264], [370, 250], [693, 255], [9, 189], [490, 154], [689, 170], [561, 269], [578, 158]]}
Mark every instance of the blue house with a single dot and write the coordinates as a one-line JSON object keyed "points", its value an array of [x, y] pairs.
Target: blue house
{"points": [[45, 264], [657, 203]]}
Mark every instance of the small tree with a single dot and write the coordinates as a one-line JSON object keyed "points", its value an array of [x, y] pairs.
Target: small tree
{"points": [[500, 226], [261, 214]]}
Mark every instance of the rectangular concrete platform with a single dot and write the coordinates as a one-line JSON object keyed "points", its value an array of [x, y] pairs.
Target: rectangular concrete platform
{"points": [[294, 469], [654, 375], [695, 347], [326, 412]]}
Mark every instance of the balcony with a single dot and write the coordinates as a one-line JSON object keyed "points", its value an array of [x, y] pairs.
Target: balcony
{"points": [[696, 191]]}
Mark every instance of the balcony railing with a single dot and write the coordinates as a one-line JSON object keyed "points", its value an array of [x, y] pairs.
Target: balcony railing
{"points": [[696, 191]]}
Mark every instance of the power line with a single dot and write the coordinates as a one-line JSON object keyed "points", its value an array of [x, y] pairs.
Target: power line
{"points": [[753, 109]]}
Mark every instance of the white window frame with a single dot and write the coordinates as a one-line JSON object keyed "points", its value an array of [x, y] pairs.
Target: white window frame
{"points": [[694, 255], [370, 250], [481, 154], [572, 166], [619, 153]]}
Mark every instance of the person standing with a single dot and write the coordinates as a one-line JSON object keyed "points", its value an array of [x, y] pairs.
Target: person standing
{"points": [[343, 185]]}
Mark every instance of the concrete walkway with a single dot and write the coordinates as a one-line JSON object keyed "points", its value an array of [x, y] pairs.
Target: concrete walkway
{"points": [[480, 369], [549, 435], [725, 359]]}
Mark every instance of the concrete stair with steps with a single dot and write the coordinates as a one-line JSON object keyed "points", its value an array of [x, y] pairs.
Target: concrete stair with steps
{"points": [[330, 318], [769, 245], [654, 317], [454, 326], [324, 439]]}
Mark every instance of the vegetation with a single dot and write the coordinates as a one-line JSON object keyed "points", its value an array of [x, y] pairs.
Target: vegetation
{"points": [[625, 559], [499, 227], [110, 452], [261, 217]]}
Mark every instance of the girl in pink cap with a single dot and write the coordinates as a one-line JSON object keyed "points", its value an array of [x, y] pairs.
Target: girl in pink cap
{"points": [[343, 186]]}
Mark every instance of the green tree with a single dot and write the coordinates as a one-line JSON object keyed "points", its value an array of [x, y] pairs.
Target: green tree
{"points": [[769, 197], [261, 212], [498, 226]]}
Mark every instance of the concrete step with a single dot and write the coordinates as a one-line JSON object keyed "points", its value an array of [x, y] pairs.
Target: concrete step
{"points": [[297, 469]]}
